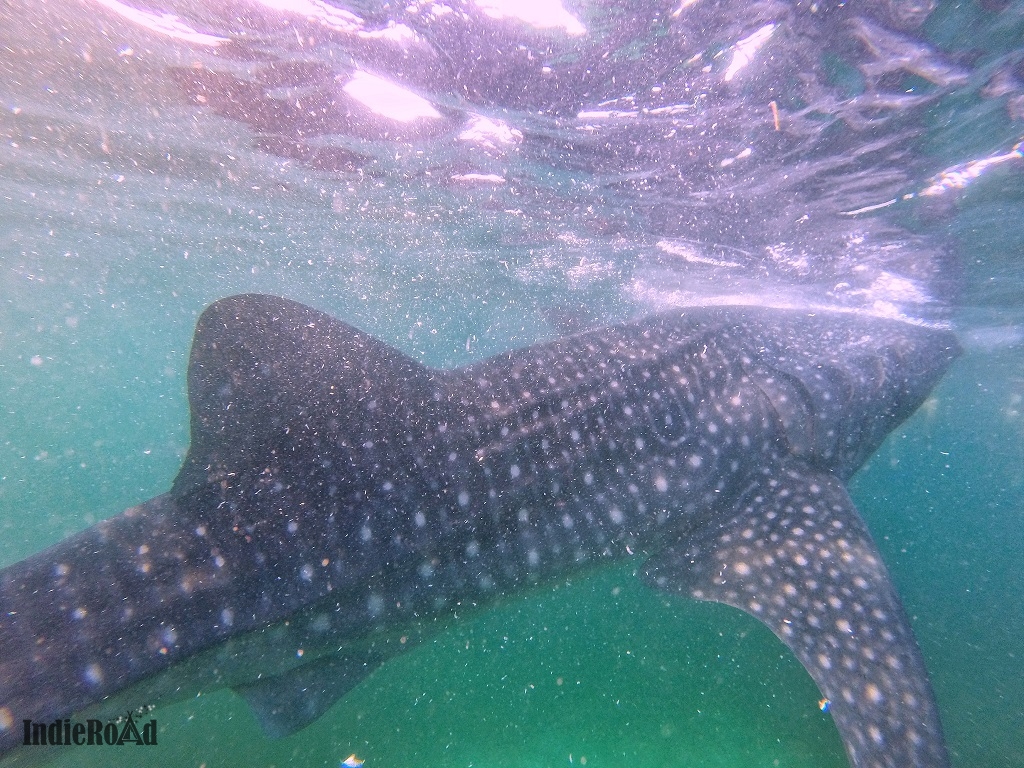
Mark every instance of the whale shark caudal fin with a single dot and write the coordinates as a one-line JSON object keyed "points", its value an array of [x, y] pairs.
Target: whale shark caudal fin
{"points": [[226, 552], [797, 557]]}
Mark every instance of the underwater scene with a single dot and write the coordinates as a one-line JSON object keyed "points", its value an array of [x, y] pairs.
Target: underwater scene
{"points": [[417, 494]]}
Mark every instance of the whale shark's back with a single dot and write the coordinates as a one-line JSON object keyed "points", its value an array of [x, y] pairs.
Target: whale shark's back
{"points": [[327, 468]]}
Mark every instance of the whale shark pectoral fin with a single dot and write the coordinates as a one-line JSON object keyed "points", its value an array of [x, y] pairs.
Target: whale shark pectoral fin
{"points": [[797, 556], [286, 703]]}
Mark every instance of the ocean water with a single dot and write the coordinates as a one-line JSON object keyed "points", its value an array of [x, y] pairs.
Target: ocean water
{"points": [[148, 168]]}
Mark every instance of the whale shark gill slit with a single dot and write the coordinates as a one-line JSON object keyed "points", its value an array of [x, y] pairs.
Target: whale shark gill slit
{"points": [[340, 502]]}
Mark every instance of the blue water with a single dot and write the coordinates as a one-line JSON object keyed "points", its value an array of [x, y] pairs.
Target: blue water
{"points": [[136, 188]]}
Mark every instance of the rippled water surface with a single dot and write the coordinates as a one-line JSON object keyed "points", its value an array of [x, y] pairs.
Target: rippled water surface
{"points": [[459, 179]]}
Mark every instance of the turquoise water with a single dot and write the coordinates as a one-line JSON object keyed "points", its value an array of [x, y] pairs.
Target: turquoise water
{"points": [[601, 668], [125, 209]]}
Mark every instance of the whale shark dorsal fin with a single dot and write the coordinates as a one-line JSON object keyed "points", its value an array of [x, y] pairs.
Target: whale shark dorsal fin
{"points": [[263, 366], [797, 556]]}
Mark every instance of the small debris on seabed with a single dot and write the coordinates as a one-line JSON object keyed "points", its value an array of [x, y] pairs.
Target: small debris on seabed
{"points": [[351, 762]]}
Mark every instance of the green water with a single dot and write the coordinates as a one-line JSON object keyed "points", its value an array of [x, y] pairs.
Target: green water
{"points": [[109, 249], [599, 669], [95, 327]]}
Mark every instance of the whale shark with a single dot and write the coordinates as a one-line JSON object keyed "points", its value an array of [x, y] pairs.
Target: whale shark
{"points": [[340, 502]]}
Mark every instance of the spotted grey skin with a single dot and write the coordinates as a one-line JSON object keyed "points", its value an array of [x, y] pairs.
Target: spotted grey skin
{"points": [[339, 501]]}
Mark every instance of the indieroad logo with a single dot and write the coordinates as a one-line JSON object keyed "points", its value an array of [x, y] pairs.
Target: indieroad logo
{"points": [[123, 730]]}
